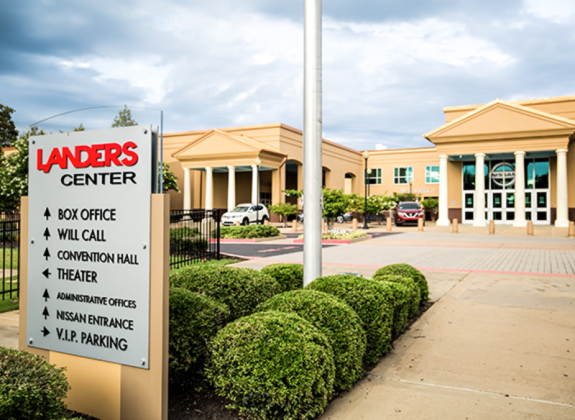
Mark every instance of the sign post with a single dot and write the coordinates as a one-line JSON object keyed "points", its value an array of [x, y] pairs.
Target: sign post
{"points": [[97, 246]]}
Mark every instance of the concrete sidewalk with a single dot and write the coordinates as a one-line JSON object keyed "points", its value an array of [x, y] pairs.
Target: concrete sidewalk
{"points": [[493, 347]]}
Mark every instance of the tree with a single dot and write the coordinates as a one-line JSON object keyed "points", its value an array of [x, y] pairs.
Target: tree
{"points": [[335, 203], [79, 128], [14, 173], [124, 118], [170, 181], [284, 210], [8, 132]]}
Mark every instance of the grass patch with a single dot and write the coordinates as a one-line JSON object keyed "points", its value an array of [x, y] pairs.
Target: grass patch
{"points": [[9, 304], [217, 263], [9, 258]]}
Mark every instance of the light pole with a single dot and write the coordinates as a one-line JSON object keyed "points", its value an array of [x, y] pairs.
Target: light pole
{"points": [[258, 163], [312, 140], [410, 185], [365, 157]]}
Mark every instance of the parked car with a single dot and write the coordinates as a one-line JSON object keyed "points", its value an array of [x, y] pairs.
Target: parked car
{"points": [[408, 211], [246, 214], [346, 217]]}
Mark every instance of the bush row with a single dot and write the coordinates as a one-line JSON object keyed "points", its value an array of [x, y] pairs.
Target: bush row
{"points": [[246, 232], [283, 355]]}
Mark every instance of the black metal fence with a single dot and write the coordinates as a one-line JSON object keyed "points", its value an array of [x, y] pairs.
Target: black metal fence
{"points": [[194, 236], [10, 255]]}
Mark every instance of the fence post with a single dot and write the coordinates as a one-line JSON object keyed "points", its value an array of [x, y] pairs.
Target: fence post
{"points": [[218, 256]]}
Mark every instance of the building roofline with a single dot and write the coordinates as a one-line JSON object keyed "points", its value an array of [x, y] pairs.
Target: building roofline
{"points": [[403, 150], [523, 102]]}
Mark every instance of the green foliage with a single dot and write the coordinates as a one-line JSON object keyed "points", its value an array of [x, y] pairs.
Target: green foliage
{"points": [[372, 302], [336, 320], [246, 232], [184, 231], [406, 197], [14, 173], [293, 193], [284, 210], [272, 365], [79, 128], [430, 203], [407, 270], [194, 320], [124, 118], [335, 203], [30, 387], [8, 132], [241, 289], [288, 276], [401, 297], [375, 203], [414, 295], [170, 181]]}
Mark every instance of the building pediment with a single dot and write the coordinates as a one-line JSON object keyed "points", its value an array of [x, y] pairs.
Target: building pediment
{"points": [[499, 120]]}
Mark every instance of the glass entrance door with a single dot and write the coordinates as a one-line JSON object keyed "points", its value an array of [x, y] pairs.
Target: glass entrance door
{"points": [[501, 206], [537, 207]]}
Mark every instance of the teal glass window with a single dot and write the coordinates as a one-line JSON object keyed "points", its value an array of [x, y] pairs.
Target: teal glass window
{"points": [[374, 178], [468, 175], [402, 175], [541, 173], [529, 165], [432, 174]]}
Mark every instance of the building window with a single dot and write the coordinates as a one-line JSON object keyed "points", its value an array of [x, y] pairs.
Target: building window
{"points": [[402, 175], [374, 178], [432, 174]]}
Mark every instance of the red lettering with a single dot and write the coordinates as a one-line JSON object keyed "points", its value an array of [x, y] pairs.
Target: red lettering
{"points": [[79, 162], [128, 152], [86, 156], [113, 150]]}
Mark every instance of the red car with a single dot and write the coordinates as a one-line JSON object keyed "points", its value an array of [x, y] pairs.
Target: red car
{"points": [[408, 211]]}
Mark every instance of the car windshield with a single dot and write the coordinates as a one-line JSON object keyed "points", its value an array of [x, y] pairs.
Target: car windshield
{"points": [[240, 209], [408, 206]]}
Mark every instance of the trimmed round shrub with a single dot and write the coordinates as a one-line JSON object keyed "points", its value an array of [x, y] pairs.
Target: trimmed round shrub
{"points": [[246, 232], [412, 287], [336, 320], [402, 300], [30, 387], [194, 320], [272, 365], [288, 276], [372, 302], [241, 289], [407, 270]]}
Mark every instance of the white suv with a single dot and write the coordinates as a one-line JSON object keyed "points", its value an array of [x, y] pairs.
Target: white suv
{"points": [[246, 214]]}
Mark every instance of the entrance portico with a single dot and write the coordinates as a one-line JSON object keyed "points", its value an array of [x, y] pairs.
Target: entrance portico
{"points": [[218, 153], [511, 158]]}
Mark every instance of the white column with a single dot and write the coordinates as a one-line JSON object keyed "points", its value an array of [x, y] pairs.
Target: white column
{"points": [[520, 220], [479, 214], [443, 219], [187, 190], [255, 181], [231, 187], [562, 204], [209, 188]]}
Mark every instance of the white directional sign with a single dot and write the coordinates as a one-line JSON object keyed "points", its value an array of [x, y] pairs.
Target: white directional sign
{"points": [[89, 243]]}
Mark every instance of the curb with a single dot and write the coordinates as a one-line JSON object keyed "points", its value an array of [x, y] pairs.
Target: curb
{"points": [[338, 241]]}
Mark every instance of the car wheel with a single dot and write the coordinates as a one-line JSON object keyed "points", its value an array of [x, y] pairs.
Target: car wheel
{"points": [[245, 222], [340, 219]]}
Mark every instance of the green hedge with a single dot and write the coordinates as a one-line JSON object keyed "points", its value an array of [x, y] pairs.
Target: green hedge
{"points": [[407, 270], [288, 276], [402, 299], [371, 301], [179, 244], [30, 387], [272, 365], [412, 288], [194, 320], [336, 320], [241, 289], [246, 232]]}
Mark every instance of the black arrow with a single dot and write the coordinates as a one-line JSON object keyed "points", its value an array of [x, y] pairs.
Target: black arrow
{"points": [[46, 273], [47, 254], [46, 233], [45, 331], [46, 313], [46, 295], [47, 213]]}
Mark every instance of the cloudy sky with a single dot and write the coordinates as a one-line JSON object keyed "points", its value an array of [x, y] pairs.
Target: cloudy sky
{"points": [[389, 65]]}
